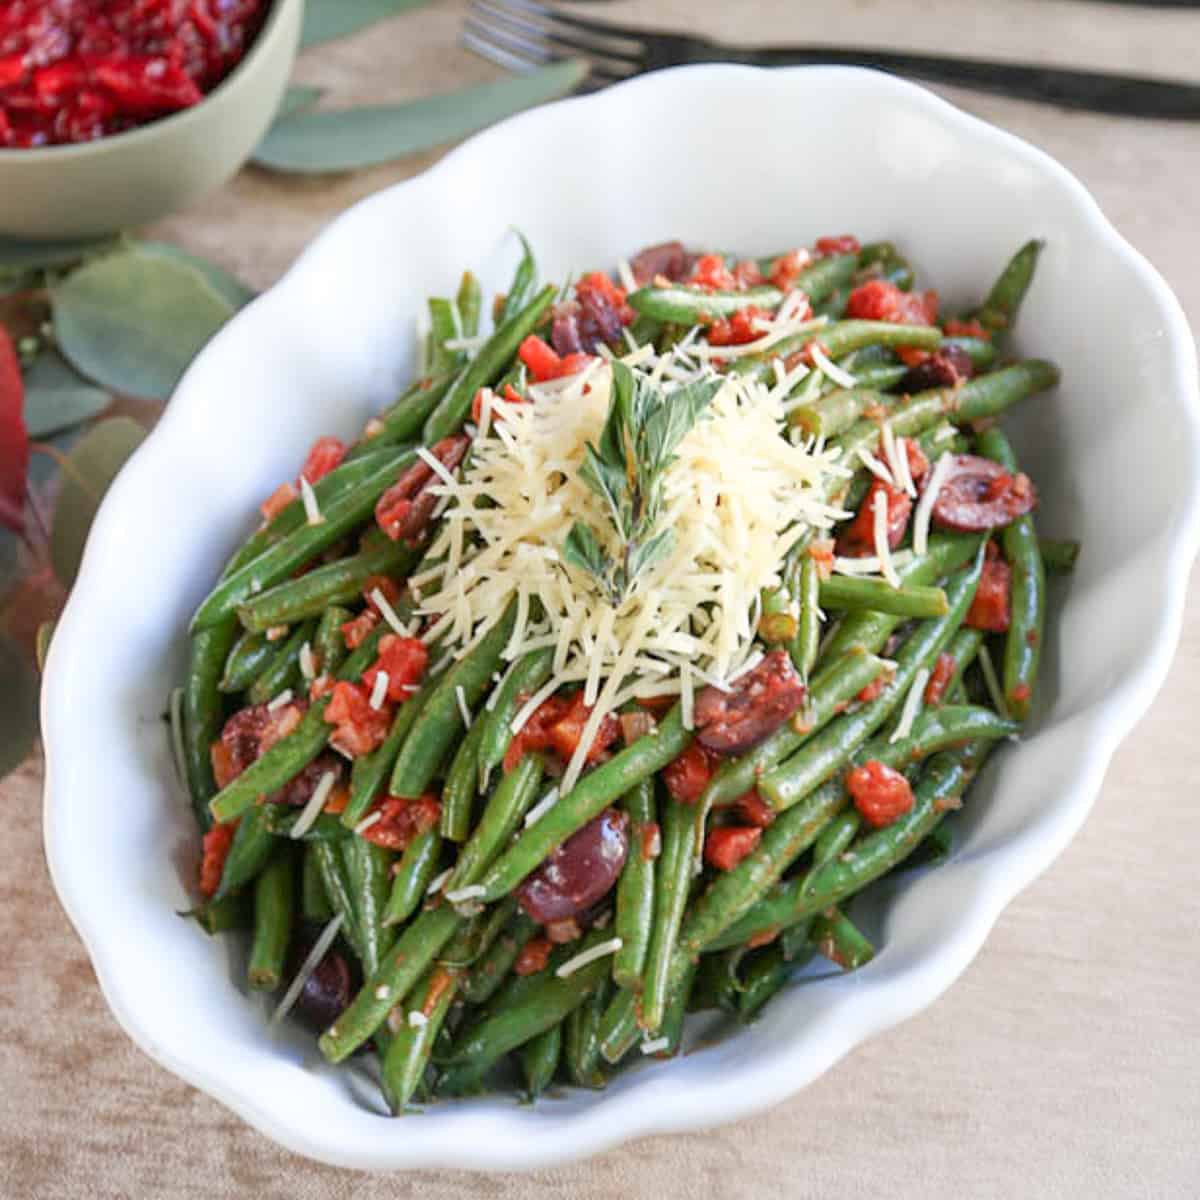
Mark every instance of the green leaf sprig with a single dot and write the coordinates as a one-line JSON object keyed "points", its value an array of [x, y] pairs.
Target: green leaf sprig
{"points": [[626, 470]]}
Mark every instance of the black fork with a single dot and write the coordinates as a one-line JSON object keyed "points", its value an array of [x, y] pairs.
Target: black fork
{"points": [[522, 34]]}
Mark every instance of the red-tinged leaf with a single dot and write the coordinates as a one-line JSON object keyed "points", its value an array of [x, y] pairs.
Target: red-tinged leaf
{"points": [[14, 440]]}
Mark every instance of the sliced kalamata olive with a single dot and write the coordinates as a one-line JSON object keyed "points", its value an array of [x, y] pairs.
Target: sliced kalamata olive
{"points": [[299, 789], [578, 872], [668, 259], [978, 494], [328, 990], [759, 702], [947, 367], [404, 510]]}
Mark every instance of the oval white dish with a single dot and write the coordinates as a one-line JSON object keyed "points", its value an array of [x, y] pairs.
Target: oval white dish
{"points": [[708, 154]]}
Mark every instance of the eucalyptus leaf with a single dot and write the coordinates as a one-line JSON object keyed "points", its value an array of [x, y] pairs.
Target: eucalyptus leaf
{"points": [[325, 20], [57, 398], [298, 98], [225, 284], [134, 320], [86, 476], [19, 713], [18, 255], [349, 138]]}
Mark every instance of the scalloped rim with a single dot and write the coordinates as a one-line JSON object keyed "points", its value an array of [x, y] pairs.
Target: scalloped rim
{"points": [[729, 1093]]}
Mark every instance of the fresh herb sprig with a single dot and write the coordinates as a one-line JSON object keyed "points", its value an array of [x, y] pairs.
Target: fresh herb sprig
{"points": [[626, 470]]}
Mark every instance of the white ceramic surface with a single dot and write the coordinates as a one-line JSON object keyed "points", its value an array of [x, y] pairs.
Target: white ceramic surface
{"points": [[725, 156]]}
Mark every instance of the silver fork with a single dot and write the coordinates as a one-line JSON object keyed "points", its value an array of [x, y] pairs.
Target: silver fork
{"points": [[523, 34]]}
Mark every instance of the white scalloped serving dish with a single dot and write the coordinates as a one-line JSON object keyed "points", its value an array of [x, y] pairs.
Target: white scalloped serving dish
{"points": [[718, 156]]}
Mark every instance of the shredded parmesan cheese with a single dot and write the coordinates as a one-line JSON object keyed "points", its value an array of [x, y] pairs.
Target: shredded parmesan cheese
{"points": [[463, 710], [542, 807], [388, 612], [312, 510], [830, 369], [883, 551], [367, 822], [588, 956], [925, 505], [435, 465], [912, 705], [417, 1019], [284, 698], [438, 882], [625, 274], [379, 690], [471, 892], [875, 466], [992, 681], [316, 802], [308, 662], [654, 1045]]}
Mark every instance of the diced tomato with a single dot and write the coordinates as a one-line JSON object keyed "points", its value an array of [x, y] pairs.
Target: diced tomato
{"points": [[846, 243], [688, 774], [738, 329], [755, 809], [535, 733], [727, 845], [388, 588], [224, 767], [857, 540], [359, 727], [765, 938], [879, 300], [747, 274], [711, 273], [658, 705], [357, 630], [566, 929], [879, 792], [404, 659], [787, 267], [544, 362], [326, 454], [534, 956], [557, 725], [280, 722], [321, 686], [277, 501], [510, 394], [651, 841], [953, 328], [339, 797], [939, 679], [402, 819], [821, 551], [872, 690], [598, 290], [216, 845], [991, 610]]}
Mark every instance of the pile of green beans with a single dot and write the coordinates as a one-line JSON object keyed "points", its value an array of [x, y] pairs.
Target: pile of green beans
{"points": [[456, 977]]}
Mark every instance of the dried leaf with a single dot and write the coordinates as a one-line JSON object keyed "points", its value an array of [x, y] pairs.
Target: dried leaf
{"points": [[87, 472], [346, 139], [14, 440], [325, 20], [57, 397], [19, 714], [134, 320]]}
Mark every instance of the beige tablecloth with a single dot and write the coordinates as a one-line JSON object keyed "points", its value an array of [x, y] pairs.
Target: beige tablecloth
{"points": [[1064, 1063]]}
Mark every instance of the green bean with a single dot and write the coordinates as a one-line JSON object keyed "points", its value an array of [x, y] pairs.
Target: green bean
{"points": [[283, 669], [673, 879], [943, 438], [826, 276], [470, 303], [843, 337], [487, 366], [441, 720], [404, 419], [828, 750], [249, 655], [370, 770], [582, 1041], [368, 868], [347, 510], [220, 916], [981, 352], [635, 889], [336, 881], [830, 690], [936, 729], [880, 377], [539, 1060], [804, 646], [416, 872], [796, 943], [408, 1055], [716, 981], [282, 818], [834, 413], [494, 964], [767, 974], [937, 791], [619, 1031], [290, 755], [334, 583], [877, 595], [293, 515], [1023, 642], [314, 902], [203, 714], [329, 643], [274, 904], [963, 648], [999, 311], [415, 949], [458, 794], [525, 677], [835, 838], [840, 940], [682, 304], [248, 854], [870, 631], [587, 799], [1059, 556], [521, 288], [545, 1004], [777, 621], [502, 814], [443, 327]]}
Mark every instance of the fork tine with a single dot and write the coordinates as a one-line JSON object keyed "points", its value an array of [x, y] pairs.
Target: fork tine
{"points": [[584, 24], [536, 20], [500, 48], [522, 37]]}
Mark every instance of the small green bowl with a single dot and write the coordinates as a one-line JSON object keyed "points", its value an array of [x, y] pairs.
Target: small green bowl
{"points": [[132, 178]]}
